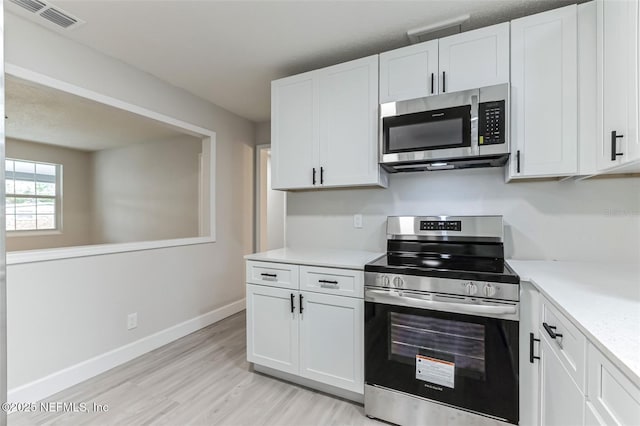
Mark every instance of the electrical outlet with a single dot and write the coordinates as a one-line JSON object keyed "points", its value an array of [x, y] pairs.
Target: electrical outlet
{"points": [[357, 221], [132, 321]]}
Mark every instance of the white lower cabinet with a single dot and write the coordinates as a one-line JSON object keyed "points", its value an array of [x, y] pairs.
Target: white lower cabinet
{"points": [[332, 340], [575, 384], [561, 401], [311, 334], [272, 328], [611, 397]]}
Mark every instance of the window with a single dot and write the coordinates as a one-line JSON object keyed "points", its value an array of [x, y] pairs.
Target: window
{"points": [[32, 195]]}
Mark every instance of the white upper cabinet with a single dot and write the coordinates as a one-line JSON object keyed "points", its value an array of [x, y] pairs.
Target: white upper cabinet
{"points": [[294, 131], [348, 96], [409, 72], [463, 61], [618, 87], [324, 129], [474, 59], [544, 94]]}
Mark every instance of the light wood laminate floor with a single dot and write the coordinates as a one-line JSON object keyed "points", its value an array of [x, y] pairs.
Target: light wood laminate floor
{"points": [[200, 379]]}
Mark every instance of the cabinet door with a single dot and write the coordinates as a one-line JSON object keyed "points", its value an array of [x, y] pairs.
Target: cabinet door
{"points": [[561, 402], [294, 121], [332, 340], [529, 368], [272, 328], [409, 72], [348, 123], [544, 94], [613, 398], [474, 59], [618, 59]]}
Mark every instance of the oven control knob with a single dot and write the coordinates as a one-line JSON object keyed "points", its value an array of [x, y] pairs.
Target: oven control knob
{"points": [[398, 282], [384, 281], [489, 290], [472, 289]]}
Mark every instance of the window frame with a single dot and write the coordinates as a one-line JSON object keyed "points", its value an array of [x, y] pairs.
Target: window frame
{"points": [[208, 137], [58, 197]]}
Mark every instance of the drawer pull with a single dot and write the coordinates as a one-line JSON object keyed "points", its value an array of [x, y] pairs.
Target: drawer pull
{"points": [[551, 330], [270, 277], [328, 283]]}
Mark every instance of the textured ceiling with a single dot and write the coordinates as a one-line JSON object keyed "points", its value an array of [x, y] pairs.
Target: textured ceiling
{"points": [[41, 114], [228, 51]]}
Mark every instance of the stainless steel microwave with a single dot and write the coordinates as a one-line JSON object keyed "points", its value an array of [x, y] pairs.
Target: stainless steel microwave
{"points": [[454, 130]]}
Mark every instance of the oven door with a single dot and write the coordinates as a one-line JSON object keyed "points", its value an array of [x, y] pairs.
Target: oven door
{"points": [[463, 360]]}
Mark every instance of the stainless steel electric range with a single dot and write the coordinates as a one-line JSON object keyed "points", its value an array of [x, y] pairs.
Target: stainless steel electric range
{"points": [[441, 324]]}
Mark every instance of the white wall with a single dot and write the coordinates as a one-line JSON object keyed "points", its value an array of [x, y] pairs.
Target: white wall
{"points": [[63, 312], [596, 219], [146, 191], [76, 192]]}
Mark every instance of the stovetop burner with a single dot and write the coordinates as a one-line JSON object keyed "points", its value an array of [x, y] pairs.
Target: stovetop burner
{"points": [[431, 247], [462, 269]]}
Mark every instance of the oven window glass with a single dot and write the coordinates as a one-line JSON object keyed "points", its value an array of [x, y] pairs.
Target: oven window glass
{"points": [[424, 131], [460, 343]]}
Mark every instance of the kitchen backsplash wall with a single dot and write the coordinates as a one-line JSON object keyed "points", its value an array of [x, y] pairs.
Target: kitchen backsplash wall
{"points": [[596, 219]]}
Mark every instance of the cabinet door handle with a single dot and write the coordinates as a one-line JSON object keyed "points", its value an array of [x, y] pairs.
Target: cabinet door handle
{"points": [[321, 175], [444, 87], [531, 342], [614, 151], [551, 330], [314, 176], [293, 308], [518, 161], [301, 308], [432, 80]]}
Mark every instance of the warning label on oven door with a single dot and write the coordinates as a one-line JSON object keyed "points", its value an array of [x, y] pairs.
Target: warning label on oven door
{"points": [[435, 371]]}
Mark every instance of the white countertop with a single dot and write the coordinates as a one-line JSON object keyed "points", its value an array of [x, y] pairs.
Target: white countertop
{"points": [[349, 259], [603, 300]]}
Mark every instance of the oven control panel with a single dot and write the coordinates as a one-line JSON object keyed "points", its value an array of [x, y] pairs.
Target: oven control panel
{"points": [[441, 225], [473, 289]]}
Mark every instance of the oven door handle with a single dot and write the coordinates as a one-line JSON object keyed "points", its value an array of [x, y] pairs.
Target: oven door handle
{"points": [[395, 298]]}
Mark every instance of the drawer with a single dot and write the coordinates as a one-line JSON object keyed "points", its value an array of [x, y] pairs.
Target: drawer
{"points": [[281, 275], [610, 394], [344, 282], [569, 343]]}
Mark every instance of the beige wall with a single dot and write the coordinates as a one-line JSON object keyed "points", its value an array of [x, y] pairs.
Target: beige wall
{"points": [[75, 309], [76, 202], [146, 191]]}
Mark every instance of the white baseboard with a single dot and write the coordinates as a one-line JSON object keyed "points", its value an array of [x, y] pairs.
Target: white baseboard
{"points": [[63, 379]]}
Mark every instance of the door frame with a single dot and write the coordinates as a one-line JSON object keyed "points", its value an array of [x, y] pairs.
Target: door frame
{"points": [[260, 149]]}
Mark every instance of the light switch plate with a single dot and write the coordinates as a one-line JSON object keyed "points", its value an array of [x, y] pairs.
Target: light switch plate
{"points": [[357, 221]]}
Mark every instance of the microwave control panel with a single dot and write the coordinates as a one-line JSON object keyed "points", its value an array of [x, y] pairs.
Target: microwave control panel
{"points": [[491, 126]]}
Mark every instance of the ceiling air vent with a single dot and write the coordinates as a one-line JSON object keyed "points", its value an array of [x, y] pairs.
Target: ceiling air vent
{"points": [[45, 13], [30, 5], [58, 18]]}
